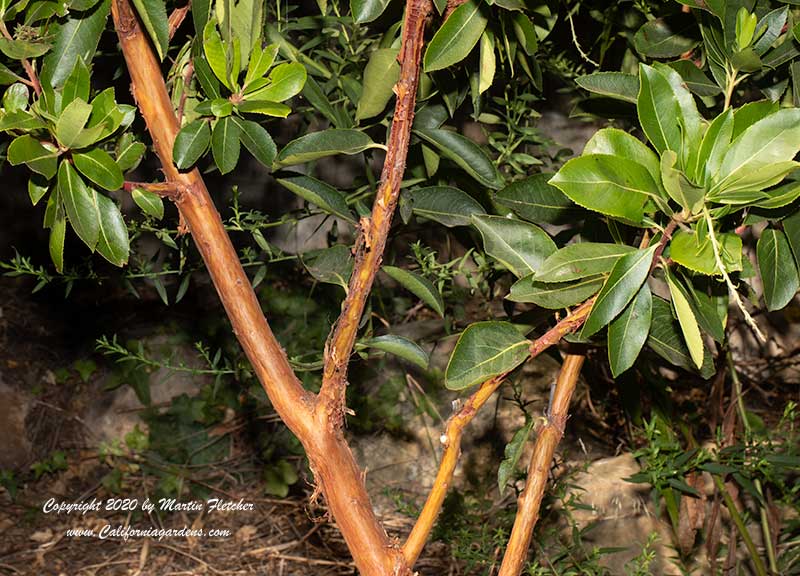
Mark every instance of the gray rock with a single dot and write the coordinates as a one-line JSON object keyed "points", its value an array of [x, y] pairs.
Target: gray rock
{"points": [[15, 450]]}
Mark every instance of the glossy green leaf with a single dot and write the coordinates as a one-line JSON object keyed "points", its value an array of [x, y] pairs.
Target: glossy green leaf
{"points": [[466, 154], [71, 122], [77, 84], [791, 227], [285, 80], [15, 98], [780, 196], [37, 188], [260, 62], [78, 37], [615, 142], [554, 295], [20, 120], [485, 350], [322, 195], [696, 253], [689, 119], [687, 321], [519, 246], [511, 455], [769, 29], [628, 332], [419, 286], [149, 202], [695, 78], [28, 150], [617, 85], [80, 203], [748, 114], [525, 32], [666, 340], [153, 14], [445, 205], [714, 146], [666, 37], [99, 167], [611, 185], [332, 265], [216, 54], [324, 143], [264, 107], [380, 76], [658, 110], [225, 144], [129, 152], [364, 11], [775, 139], [688, 196], [456, 37], [488, 63], [399, 346], [191, 143], [257, 140], [112, 238], [627, 276], [777, 268], [537, 201], [581, 260]]}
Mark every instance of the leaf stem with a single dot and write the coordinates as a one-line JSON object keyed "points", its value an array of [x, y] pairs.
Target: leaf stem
{"points": [[758, 563]]}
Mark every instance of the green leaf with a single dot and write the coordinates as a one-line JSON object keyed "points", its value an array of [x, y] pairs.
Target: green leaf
{"points": [[324, 143], [26, 149], [79, 202], [129, 152], [332, 265], [695, 79], [658, 110], [18, 49], [99, 167], [554, 295], [689, 119], [750, 113], [364, 11], [611, 185], [627, 276], [149, 202], [15, 98], [153, 14], [615, 142], [769, 29], [257, 141], [617, 85], [445, 205], [627, 333], [37, 188], [71, 122], [286, 80], [457, 36], [714, 146], [112, 240], [666, 37], [225, 140], [791, 227], [687, 321], [20, 120], [581, 260], [264, 107], [688, 196], [326, 197], [511, 455], [261, 61], [78, 37], [519, 246], [525, 32], [488, 62], [777, 268], [535, 200], [418, 285], [775, 139], [380, 76], [696, 253], [191, 143], [666, 340], [399, 346], [58, 232], [485, 350], [77, 84], [216, 54], [780, 196], [466, 154]]}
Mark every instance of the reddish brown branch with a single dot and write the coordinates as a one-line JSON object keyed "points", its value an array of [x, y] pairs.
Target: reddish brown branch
{"points": [[547, 438], [374, 230], [176, 19], [333, 463], [455, 427]]}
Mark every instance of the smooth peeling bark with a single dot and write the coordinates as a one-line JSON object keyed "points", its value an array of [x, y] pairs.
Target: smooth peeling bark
{"points": [[339, 476]]}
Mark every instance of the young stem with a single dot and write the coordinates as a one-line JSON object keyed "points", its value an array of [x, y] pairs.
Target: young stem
{"points": [[731, 288], [758, 563], [548, 437]]}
